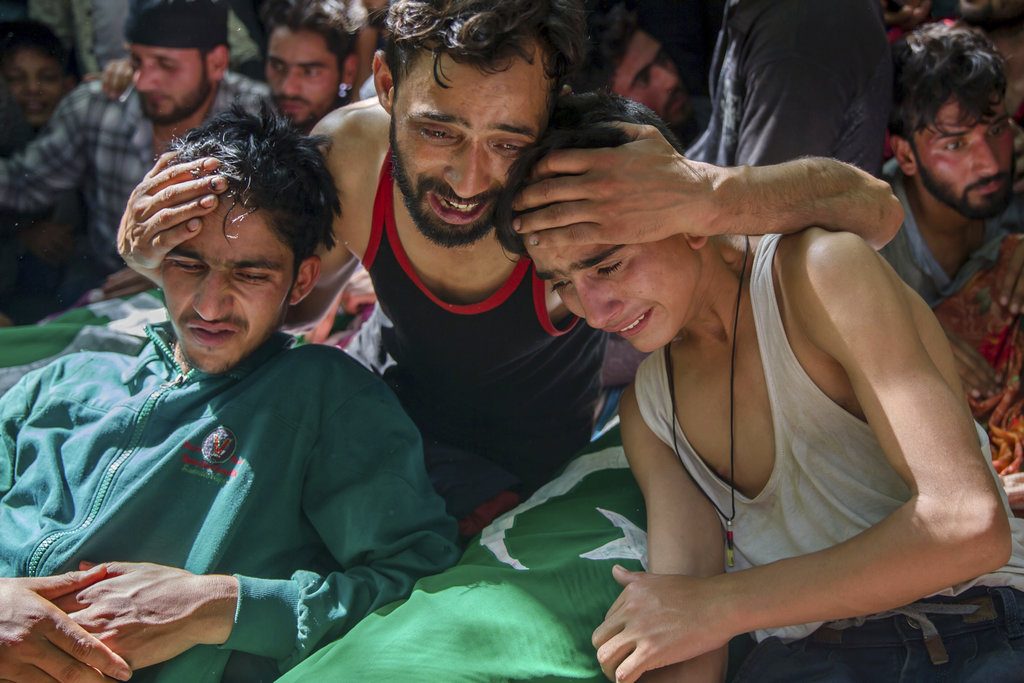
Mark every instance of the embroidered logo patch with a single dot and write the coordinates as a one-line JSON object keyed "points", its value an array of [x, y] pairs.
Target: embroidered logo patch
{"points": [[216, 459], [219, 445]]}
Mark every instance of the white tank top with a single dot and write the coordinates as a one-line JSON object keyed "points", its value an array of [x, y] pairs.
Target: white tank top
{"points": [[830, 479]]}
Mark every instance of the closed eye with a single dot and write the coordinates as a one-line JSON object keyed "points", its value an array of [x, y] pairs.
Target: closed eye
{"points": [[608, 270], [253, 277]]}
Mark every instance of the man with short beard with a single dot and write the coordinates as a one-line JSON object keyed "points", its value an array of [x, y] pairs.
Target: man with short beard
{"points": [[104, 147], [311, 60], [952, 172]]}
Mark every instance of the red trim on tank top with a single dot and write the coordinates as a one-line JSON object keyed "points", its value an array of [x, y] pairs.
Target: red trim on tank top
{"points": [[385, 202], [383, 210], [540, 305]]}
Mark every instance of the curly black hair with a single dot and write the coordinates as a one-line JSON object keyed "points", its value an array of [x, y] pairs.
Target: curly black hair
{"points": [[271, 167], [936, 63], [487, 35]]}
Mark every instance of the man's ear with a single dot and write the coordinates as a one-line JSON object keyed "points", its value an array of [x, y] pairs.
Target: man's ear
{"points": [[383, 81], [903, 152], [216, 63], [305, 278]]}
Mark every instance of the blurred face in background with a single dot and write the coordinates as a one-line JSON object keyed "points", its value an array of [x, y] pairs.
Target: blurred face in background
{"points": [[175, 83], [646, 74], [37, 82], [304, 75]]}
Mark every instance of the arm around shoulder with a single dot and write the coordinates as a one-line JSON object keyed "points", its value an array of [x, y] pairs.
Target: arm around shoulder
{"points": [[813, 191]]}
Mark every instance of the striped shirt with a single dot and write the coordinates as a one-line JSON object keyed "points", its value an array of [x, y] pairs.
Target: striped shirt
{"points": [[103, 147]]}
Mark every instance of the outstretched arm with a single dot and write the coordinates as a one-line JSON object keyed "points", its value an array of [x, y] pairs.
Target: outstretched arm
{"points": [[646, 191], [952, 528]]}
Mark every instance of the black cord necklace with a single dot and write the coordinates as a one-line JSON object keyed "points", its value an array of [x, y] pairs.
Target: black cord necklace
{"points": [[729, 545]]}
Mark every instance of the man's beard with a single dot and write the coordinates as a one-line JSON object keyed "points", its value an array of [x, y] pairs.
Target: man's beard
{"points": [[182, 111], [426, 221], [305, 125], [992, 205]]}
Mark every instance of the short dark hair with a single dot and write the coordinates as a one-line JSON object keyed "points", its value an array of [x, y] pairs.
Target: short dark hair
{"points": [[611, 28], [938, 62], [486, 34], [31, 35], [271, 167], [337, 21], [579, 121]]}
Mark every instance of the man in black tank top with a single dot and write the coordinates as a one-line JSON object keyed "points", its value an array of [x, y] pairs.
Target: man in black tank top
{"points": [[494, 370]]}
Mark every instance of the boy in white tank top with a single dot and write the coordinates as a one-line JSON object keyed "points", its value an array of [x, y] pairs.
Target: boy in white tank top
{"points": [[811, 471]]}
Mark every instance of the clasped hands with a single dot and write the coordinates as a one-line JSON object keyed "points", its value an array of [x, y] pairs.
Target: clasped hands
{"points": [[103, 621]]}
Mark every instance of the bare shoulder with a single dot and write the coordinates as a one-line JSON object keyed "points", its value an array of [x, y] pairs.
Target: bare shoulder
{"points": [[842, 295], [823, 267], [357, 134], [357, 143]]}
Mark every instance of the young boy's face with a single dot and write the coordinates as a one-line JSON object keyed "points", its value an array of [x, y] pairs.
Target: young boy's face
{"points": [[37, 82]]}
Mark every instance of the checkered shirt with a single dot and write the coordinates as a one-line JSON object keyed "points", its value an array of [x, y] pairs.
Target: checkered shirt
{"points": [[104, 147]]}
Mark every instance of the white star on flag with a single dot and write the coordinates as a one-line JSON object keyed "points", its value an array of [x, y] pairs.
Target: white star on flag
{"points": [[632, 545]]}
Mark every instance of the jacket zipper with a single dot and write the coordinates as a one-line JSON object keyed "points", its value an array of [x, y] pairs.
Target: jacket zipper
{"points": [[35, 560]]}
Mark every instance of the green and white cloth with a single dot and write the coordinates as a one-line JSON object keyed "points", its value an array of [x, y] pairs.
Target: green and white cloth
{"points": [[116, 325], [524, 600]]}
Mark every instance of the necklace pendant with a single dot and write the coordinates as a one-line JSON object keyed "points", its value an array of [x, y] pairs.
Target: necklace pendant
{"points": [[729, 554]]}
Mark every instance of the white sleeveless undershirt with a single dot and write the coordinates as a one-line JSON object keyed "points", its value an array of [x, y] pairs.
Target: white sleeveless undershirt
{"points": [[830, 479]]}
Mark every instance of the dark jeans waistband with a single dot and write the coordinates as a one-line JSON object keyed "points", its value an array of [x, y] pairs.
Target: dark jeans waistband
{"points": [[997, 605]]}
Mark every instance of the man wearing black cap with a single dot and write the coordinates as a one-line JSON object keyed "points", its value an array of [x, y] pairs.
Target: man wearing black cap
{"points": [[104, 147]]}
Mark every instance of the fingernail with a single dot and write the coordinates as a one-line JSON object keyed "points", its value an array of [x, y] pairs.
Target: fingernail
{"points": [[975, 393], [1003, 301], [517, 224], [208, 201], [534, 241], [194, 224], [210, 163], [217, 183]]}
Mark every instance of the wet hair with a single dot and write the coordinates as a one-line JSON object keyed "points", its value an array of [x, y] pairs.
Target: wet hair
{"points": [[31, 35], [582, 122], [273, 168], [485, 34], [938, 62], [336, 21]]}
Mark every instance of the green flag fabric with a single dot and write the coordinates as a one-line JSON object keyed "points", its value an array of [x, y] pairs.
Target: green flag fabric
{"points": [[114, 325], [522, 603]]}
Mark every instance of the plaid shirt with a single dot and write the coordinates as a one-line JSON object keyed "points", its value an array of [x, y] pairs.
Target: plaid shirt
{"points": [[104, 147]]}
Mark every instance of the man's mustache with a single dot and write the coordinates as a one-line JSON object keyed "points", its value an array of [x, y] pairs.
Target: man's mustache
{"points": [[1004, 178]]}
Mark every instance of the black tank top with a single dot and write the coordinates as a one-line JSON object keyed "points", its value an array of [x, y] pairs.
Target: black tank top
{"points": [[496, 377]]}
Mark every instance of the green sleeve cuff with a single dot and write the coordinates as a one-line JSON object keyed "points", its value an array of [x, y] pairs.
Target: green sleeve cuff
{"points": [[265, 618]]}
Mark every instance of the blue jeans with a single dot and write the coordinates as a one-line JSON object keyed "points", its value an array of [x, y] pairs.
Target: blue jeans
{"points": [[987, 646]]}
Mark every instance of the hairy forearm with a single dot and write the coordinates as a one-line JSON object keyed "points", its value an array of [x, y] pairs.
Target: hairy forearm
{"points": [[925, 546], [788, 197]]}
